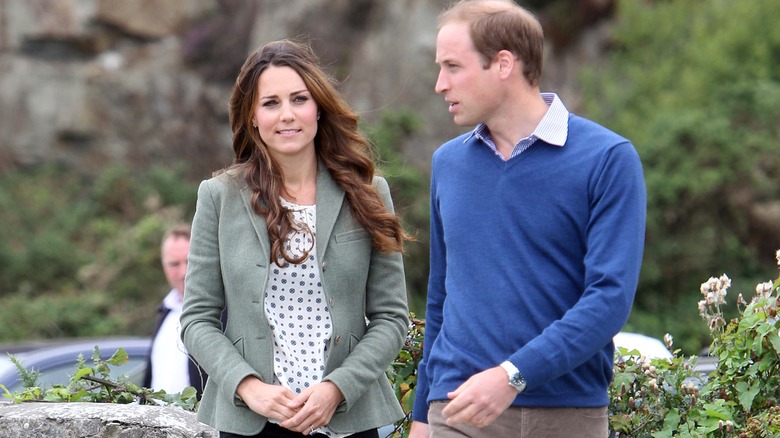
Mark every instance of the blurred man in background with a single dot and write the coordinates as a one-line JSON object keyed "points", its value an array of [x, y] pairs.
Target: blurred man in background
{"points": [[169, 366]]}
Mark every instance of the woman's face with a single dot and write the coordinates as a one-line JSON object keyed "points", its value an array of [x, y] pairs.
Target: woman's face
{"points": [[286, 113]]}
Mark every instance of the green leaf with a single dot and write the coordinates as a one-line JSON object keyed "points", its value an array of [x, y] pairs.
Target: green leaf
{"points": [[124, 398], [79, 395], [774, 339], [102, 369], [407, 401], [188, 392], [715, 413], [623, 378], [119, 358], [671, 425], [82, 372], [746, 393], [620, 423]]}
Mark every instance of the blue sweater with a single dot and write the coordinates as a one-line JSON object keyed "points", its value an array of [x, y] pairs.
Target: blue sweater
{"points": [[533, 260]]}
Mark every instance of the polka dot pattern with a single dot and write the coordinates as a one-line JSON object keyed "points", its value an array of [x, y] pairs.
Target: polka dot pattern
{"points": [[296, 308]]}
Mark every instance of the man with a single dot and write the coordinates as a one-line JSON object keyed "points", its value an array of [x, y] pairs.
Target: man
{"points": [[169, 366], [537, 233]]}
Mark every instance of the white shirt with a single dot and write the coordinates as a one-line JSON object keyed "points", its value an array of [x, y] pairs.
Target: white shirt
{"points": [[170, 368]]}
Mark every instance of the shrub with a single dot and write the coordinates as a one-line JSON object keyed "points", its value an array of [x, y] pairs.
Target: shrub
{"points": [[667, 397], [92, 384]]}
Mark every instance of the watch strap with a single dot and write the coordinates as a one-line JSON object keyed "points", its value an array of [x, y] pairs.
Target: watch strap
{"points": [[515, 379]]}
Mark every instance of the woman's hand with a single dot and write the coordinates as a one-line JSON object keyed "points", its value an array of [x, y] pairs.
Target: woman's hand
{"points": [[270, 401], [315, 407]]}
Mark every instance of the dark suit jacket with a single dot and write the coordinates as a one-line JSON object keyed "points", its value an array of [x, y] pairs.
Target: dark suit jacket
{"points": [[197, 375]]}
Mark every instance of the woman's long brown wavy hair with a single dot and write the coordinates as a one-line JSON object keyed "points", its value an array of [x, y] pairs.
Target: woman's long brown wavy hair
{"points": [[339, 145]]}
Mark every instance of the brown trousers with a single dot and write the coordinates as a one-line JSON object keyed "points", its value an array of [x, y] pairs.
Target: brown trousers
{"points": [[520, 422]]}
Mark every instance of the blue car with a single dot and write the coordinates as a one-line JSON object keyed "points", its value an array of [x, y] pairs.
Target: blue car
{"points": [[56, 360]]}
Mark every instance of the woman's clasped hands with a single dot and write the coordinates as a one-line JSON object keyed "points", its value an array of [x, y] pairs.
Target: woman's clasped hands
{"points": [[304, 413]]}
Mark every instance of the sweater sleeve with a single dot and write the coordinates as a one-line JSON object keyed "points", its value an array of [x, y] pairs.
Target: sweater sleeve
{"points": [[615, 243], [434, 307]]}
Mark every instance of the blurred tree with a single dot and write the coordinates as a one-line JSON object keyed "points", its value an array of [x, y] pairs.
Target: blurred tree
{"points": [[410, 196], [81, 257], [695, 85]]}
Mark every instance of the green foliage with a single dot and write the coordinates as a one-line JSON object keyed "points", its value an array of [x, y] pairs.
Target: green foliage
{"points": [[410, 195], [28, 377], [93, 384], [63, 314], [403, 373], [81, 253], [695, 85], [657, 397], [741, 398]]}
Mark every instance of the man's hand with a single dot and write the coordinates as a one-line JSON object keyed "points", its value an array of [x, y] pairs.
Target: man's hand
{"points": [[480, 399], [419, 430], [315, 407], [270, 401]]}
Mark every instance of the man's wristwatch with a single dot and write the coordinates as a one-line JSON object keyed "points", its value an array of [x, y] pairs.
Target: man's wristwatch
{"points": [[516, 380]]}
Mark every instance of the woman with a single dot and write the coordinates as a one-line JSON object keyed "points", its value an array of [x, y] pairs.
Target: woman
{"points": [[297, 239]]}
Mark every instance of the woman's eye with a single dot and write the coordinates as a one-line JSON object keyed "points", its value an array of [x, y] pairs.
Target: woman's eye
{"points": [[269, 103], [300, 99]]}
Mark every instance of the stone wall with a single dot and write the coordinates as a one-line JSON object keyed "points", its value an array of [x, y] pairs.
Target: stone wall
{"points": [[99, 420]]}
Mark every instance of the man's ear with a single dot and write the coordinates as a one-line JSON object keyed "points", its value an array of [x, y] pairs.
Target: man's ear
{"points": [[507, 63]]}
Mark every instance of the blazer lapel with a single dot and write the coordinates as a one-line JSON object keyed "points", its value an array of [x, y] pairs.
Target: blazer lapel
{"points": [[329, 199], [258, 223]]}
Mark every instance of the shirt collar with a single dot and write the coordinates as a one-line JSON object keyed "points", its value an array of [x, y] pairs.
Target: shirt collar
{"points": [[552, 129], [174, 300]]}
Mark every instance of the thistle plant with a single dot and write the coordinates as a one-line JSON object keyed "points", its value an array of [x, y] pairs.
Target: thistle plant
{"points": [[714, 291], [741, 398], [748, 353], [656, 397]]}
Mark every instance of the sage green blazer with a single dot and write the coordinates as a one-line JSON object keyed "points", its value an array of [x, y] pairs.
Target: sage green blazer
{"points": [[228, 267]]}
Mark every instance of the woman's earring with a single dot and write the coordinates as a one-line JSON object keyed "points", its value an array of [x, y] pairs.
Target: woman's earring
{"points": [[254, 125], [318, 116]]}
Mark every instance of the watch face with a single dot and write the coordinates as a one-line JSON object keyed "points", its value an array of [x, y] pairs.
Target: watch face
{"points": [[517, 381]]}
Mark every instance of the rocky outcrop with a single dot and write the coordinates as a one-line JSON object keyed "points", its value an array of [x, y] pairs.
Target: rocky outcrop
{"points": [[87, 83], [104, 420]]}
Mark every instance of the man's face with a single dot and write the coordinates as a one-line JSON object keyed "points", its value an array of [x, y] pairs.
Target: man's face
{"points": [[471, 91], [174, 261]]}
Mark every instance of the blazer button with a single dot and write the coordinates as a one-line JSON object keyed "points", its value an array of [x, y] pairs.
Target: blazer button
{"points": [[324, 266], [331, 302], [337, 340]]}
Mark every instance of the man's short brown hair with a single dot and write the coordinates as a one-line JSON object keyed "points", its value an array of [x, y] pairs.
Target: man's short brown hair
{"points": [[178, 231], [496, 25]]}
